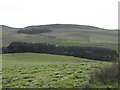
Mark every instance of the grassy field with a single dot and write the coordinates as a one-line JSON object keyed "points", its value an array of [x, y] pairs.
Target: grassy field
{"points": [[32, 70]]}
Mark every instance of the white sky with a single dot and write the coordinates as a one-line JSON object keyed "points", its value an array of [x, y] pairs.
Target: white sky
{"points": [[22, 13]]}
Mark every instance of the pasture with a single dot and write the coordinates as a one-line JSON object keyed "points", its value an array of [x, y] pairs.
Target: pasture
{"points": [[33, 70]]}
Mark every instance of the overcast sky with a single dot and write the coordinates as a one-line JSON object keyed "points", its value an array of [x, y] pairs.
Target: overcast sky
{"points": [[22, 13]]}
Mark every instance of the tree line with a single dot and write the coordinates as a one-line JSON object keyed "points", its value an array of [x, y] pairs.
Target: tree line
{"points": [[94, 53], [33, 30]]}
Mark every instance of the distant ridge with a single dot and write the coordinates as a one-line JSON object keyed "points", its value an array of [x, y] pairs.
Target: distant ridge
{"points": [[4, 27], [65, 26]]}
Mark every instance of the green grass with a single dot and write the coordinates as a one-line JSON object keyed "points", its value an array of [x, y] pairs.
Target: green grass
{"points": [[34, 70], [75, 42]]}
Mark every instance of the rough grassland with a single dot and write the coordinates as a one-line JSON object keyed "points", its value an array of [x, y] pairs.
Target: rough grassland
{"points": [[34, 70], [86, 37]]}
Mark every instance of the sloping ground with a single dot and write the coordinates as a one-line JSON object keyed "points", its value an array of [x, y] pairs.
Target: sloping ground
{"points": [[62, 32], [31, 70]]}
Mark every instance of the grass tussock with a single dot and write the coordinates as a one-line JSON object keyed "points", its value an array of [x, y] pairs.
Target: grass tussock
{"points": [[107, 75]]}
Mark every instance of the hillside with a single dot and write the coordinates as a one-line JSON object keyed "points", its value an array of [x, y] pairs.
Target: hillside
{"points": [[64, 34], [37, 60]]}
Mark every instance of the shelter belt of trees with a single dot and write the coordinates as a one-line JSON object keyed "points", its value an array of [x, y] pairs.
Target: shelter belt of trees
{"points": [[94, 53]]}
